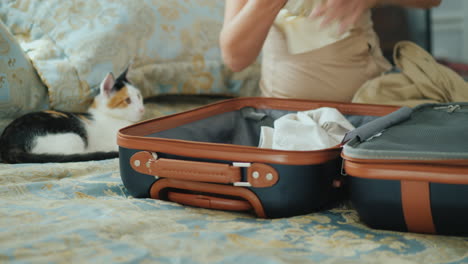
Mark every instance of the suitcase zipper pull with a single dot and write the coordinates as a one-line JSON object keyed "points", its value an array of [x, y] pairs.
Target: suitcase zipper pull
{"points": [[448, 108], [338, 182], [343, 171], [375, 136]]}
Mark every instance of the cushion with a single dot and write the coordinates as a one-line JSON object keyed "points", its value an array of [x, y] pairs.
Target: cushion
{"points": [[172, 46], [21, 89]]}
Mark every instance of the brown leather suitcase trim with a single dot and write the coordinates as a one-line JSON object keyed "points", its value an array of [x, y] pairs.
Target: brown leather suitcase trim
{"points": [[228, 152], [416, 203], [437, 171], [145, 163], [262, 175], [240, 192], [133, 137], [206, 201]]}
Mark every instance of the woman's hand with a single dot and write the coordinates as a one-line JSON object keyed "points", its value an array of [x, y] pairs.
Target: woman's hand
{"points": [[347, 12]]}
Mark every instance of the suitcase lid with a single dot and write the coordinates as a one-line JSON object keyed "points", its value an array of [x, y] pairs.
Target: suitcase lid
{"points": [[426, 133]]}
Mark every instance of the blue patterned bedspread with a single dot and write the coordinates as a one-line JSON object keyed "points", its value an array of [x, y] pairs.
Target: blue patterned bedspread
{"points": [[81, 213]]}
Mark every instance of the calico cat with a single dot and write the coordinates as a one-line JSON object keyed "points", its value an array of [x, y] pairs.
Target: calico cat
{"points": [[57, 136]]}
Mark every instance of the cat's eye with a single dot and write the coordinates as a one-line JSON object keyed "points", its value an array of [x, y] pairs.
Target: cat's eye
{"points": [[128, 100]]}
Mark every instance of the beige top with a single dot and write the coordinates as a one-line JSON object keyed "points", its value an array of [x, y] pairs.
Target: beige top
{"points": [[304, 61], [303, 33]]}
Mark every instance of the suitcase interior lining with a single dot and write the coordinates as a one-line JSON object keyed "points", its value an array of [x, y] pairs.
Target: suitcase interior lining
{"points": [[240, 127]]}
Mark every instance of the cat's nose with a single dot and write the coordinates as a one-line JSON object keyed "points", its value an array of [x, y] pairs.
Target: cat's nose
{"points": [[142, 110]]}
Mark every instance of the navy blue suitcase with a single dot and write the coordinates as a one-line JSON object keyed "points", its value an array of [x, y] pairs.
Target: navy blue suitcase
{"points": [[208, 157]]}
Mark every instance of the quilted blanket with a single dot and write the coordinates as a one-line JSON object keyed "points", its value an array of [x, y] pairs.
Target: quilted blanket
{"points": [[82, 213]]}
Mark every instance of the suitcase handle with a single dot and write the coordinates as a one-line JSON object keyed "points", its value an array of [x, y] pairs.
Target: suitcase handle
{"points": [[206, 201], [247, 198], [258, 175], [372, 128]]}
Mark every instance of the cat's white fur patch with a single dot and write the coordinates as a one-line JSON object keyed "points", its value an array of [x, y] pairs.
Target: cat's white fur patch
{"points": [[102, 131], [54, 144]]}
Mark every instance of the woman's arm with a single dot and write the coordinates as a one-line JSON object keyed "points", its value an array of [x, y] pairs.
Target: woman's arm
{"points": [[246, 25]]}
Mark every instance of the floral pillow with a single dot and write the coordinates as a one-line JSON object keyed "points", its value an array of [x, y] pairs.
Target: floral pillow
{"points": [[172, 46]]}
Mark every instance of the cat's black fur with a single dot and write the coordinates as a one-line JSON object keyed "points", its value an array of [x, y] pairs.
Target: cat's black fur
{"points": [[121, 81], [15, 146]]}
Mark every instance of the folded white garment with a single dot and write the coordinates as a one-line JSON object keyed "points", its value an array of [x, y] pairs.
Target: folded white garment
{"points": [[308, 130], [304, 34]]}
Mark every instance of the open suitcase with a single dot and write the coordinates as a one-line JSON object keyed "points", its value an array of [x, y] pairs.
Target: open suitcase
{"points": [[408, 171], [208, 157]]}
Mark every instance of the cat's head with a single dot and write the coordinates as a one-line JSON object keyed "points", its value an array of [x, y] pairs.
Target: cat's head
{"points": [[118, 98]]}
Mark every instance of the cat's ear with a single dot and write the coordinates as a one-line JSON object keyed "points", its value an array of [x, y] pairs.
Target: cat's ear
{"points": [[107, 84], [123, 76]]}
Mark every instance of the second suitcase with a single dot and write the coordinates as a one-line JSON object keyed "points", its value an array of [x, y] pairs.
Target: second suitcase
{"points": [[411, 174]]}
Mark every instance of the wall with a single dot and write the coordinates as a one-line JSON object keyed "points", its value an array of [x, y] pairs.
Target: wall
{"points": [[450, 30]]}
